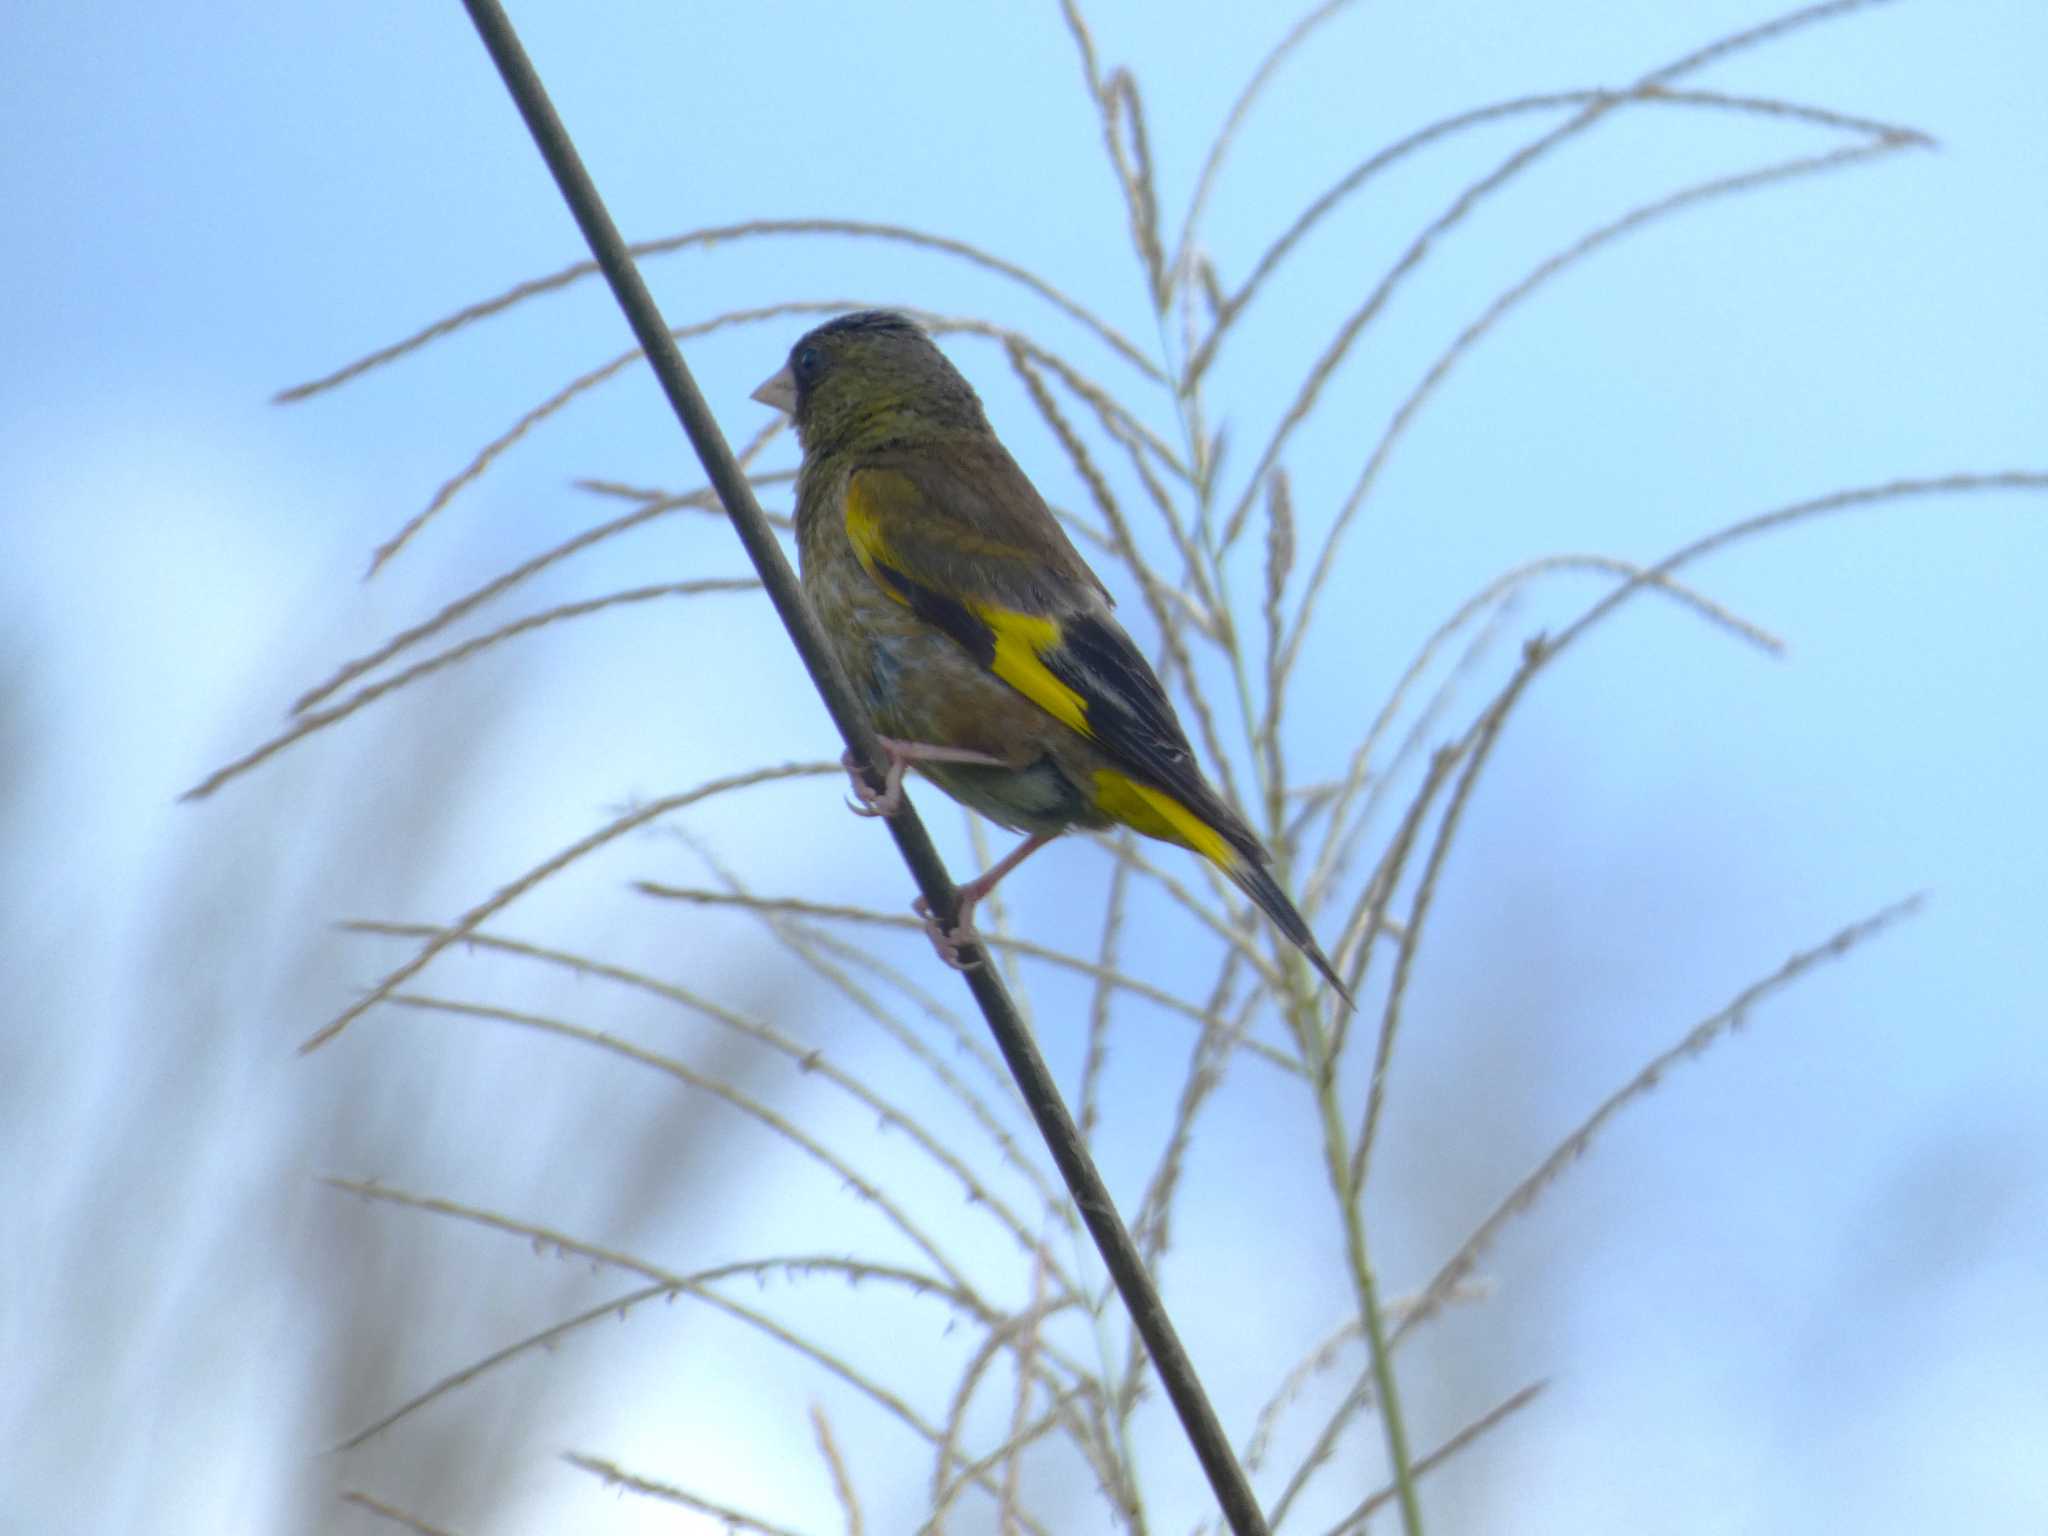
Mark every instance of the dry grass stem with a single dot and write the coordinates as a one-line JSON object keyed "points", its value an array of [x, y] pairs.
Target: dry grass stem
{"points": [[1012, 943], [1319, 1361], [1101, 1002], [1492, 603], [1510, 298], [1015, 1337], [1226, 136], [699, 1288], [576, 272], [792, 1266], [981, 1471], [394, 1514], [1470, 197], [1693, 1043], [1230, 307], [809, 943], [1492, 1419], [505, 895], [577, 387], [1477, 749], [735, 1521], [312, 721], [855, 1182], [470, 601], [888, 1114], [546, 1338], [842, 1479]]}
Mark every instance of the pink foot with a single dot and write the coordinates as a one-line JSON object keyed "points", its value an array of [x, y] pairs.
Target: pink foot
{"points": [[899, 756], [948, 942], [866, 800]]}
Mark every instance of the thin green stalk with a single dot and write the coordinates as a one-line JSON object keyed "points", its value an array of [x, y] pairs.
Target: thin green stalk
{"points": [[1351, 1202]]}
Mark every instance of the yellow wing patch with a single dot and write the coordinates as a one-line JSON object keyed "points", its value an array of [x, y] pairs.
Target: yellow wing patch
{"points": [[1021, 641], [1157, 814], [864, 533], [1014, 645]]}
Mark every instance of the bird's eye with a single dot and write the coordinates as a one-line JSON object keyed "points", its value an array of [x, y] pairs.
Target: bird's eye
{"points": [[807, 362]]}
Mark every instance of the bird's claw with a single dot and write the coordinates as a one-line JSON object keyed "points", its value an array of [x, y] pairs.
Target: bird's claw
{"points": [[897, 756], [948, 942], [866, 799]]}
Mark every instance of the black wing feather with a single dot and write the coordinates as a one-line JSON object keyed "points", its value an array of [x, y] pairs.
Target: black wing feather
{"points": [[1131, 718]]}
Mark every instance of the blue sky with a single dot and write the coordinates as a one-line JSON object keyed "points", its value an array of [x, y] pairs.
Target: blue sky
{"points": [[1818, 1245]]}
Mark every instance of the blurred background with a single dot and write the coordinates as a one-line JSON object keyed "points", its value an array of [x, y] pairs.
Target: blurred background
{"points": [[1805, 1283]]}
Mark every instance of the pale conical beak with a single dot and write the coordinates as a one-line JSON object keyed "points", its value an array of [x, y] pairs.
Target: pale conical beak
{"points": [[779, 392]]}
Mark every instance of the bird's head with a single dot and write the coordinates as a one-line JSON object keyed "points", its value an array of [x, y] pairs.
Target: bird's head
{"points": [[868, 378]]}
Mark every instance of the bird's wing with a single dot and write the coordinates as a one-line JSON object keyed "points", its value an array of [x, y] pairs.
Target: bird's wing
{"points": [[967, 514], [981, 558]]}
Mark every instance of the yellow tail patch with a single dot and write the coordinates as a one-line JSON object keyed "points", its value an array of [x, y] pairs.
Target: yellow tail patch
{"points": [[1157, 814]]}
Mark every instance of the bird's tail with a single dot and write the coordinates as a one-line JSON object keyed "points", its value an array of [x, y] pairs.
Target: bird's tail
{"points": [[1251, 876], [1204, 823]]}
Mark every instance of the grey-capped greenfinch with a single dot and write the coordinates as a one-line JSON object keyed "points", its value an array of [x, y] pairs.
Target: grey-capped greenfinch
{"points": [[982, 644]]}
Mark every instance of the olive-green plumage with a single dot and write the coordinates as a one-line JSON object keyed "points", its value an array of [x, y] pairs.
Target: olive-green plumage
{"points": [[981, 642]]}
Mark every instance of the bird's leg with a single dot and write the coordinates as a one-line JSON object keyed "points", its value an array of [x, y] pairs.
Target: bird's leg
{"points": [[900, 755], [949, 941]]}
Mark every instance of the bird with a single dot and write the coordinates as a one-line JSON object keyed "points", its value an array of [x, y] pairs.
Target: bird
{"points": [[983, 647]]}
